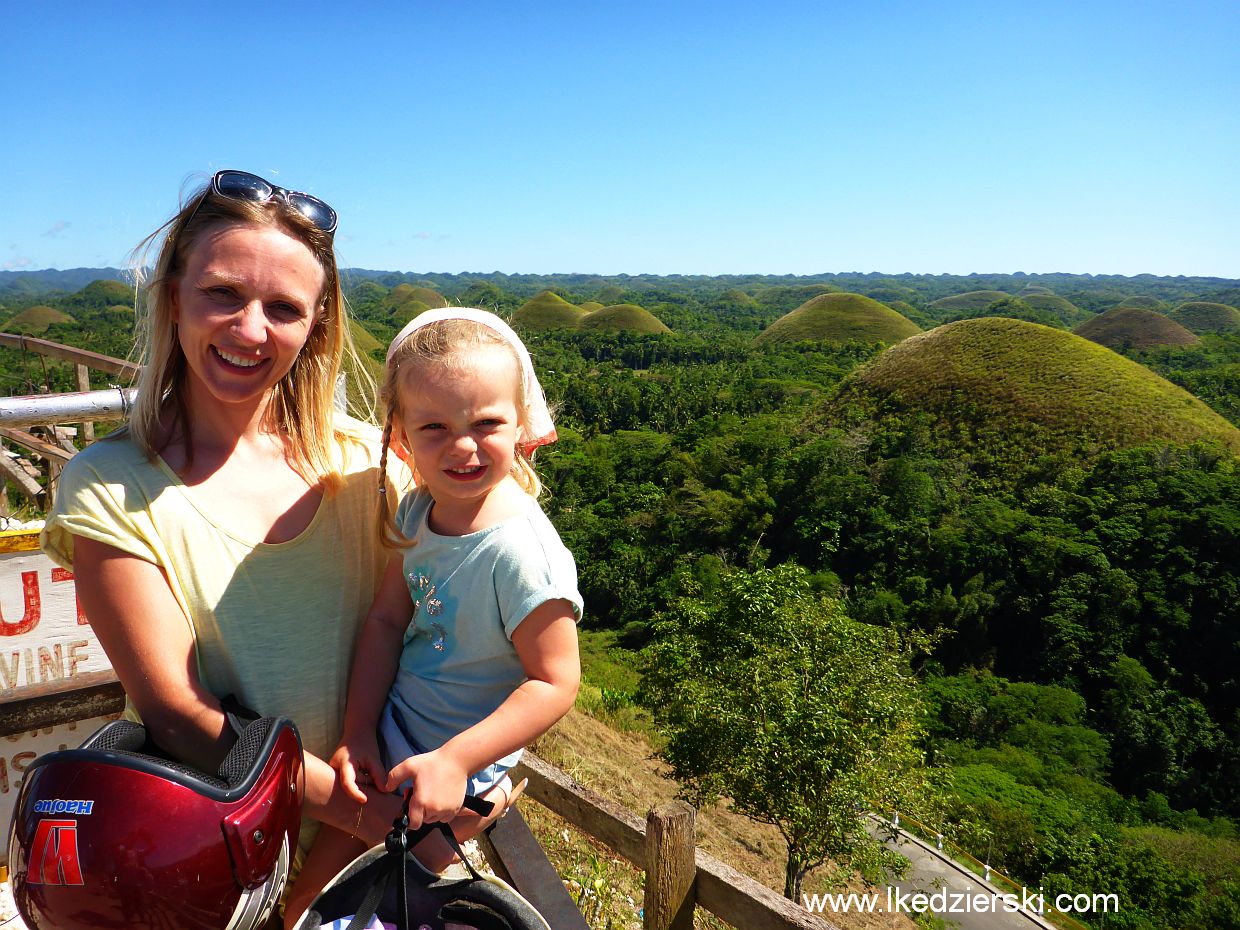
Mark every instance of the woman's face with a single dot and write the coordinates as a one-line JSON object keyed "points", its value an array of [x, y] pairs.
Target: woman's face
{"points": [[244, 307]]}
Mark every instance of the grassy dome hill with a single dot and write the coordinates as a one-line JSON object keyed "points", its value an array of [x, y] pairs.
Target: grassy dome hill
{"points": [[626, 317], [103, 293], [969, 300], [547, 310], [1142, 302], [34, 321], [591, 305], [1068, 312], [1002, 394], [1133, 327], [404, 293], [839, 318], [1030, 289], [1204, 317]]}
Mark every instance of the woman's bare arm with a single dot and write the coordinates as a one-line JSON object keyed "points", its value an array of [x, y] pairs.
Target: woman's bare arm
{"points": [[148, 640]]}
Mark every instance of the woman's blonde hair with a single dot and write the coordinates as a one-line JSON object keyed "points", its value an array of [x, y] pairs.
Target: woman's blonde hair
{"points": [[445, 344], [301, 408]]}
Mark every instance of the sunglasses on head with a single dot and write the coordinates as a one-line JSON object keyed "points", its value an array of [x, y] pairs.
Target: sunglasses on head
{"points": [[241, 185]]}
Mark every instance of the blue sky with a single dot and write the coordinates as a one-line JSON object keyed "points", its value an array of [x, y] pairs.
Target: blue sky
{"points": [[672, 137]]}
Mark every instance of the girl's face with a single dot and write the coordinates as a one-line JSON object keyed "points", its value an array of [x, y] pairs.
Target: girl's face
{"points": [[244, 307], [461, 424]]}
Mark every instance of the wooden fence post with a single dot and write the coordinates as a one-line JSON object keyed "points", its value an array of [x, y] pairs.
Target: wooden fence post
{"points": [[83, 384], [671, 868]]}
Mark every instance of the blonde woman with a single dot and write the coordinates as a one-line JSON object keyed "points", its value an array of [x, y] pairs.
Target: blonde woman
{"points": [[225, 542]]}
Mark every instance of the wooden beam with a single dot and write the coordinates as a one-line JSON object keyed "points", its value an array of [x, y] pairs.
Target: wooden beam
{"points": [[602, 818], [35, 444], [15, 473], [93, 360], [517, 857], [34, 707], [741, 901]]}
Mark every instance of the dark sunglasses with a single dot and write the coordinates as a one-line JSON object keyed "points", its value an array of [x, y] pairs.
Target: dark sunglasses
{"points": [[241, 185]]}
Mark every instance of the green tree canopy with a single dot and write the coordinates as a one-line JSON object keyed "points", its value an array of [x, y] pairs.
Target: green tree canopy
{"points": [[769, 694]]}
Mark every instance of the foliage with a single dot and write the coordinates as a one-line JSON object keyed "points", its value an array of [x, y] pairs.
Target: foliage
{"points": [[770, 695]]}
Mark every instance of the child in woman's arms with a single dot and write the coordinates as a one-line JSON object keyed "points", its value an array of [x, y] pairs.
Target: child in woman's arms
{"points": [[470, 649]]}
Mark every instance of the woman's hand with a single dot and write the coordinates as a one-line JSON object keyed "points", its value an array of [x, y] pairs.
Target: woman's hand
{"points": [[357, 763], [439, 785]]}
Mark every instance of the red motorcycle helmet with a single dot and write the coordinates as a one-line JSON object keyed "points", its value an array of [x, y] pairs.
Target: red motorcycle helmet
{"points": [[115, 834]]}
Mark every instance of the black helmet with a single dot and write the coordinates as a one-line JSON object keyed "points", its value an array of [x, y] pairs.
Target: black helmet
{"points": [[115, 834]]}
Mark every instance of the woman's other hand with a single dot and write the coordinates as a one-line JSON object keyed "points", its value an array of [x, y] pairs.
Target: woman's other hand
{"points": [[358, 764]]}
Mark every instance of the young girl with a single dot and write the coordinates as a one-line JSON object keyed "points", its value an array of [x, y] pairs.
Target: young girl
{"points": [[470, 649]]}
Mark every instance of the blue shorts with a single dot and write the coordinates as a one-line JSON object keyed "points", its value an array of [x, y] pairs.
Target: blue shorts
{"points": [[396, 745]]}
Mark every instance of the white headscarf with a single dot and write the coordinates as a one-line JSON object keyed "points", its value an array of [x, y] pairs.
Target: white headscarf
{"points": [[537, 415]]}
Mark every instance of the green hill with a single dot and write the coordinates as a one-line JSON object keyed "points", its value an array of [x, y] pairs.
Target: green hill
{"points": [[404, 293], [34, 321], [624, 317], [970, 300], [1002, 394], [104, 293], [1067, 312], [1204, 317], [1142, 302], [1031, 289], [591, 305], [1135, 328], [839, 318], [547, 310]]}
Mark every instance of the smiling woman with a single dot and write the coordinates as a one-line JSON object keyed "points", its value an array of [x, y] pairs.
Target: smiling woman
{"points": [[225, 542]]}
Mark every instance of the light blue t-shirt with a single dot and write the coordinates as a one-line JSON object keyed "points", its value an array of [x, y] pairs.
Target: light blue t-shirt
{"points": [[470, 593]]}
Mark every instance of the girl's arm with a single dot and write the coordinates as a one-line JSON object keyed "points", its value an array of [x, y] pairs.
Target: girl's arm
{"points": [[546, 643], [148, 640], [374, 669]]}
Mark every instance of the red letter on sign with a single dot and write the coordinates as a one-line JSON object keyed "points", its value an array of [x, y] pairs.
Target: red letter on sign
{"points": [[30, 619], [59, 574], [54, 854]]}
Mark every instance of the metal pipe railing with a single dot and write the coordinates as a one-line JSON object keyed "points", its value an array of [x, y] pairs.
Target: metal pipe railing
{"points": [[46, 409]]}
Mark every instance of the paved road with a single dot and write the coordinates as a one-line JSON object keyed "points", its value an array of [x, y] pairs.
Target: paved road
{"points": [[931, 872]]}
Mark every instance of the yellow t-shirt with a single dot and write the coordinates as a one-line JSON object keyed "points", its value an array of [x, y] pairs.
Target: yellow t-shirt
{"points": [[273, 623]]}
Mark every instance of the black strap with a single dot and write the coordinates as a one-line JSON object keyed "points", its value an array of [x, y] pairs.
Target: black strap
{"points": [[239, 716], [398, 843]]}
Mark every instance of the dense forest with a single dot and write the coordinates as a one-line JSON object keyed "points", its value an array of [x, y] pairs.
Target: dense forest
{"points": [[1061, 510]]}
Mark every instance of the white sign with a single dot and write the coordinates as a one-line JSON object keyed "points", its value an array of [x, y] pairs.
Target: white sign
{"points": [[44, 640]]}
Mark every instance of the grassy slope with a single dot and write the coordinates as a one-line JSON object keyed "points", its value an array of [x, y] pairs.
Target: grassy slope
{"points": [[1204, 317], [970, 300], [1017, 390], [547, 310], [35, 320], [1136, 328], [627, 317], [1142, 302], [840, 318]]}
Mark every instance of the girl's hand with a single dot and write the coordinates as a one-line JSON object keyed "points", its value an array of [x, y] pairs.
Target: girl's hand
{"points": [[357, 763], [439, 784]]}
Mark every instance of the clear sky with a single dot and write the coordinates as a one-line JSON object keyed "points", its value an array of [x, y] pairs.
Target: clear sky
{"points": [[643, 137]]}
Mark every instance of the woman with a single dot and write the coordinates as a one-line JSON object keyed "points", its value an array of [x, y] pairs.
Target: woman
{"points": [[225, 541]]}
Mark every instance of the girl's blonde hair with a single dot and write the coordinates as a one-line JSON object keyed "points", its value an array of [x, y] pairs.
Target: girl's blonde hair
{"points": [[301, 408], [445, 344]]}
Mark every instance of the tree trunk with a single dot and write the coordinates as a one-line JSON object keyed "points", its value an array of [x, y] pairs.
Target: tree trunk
{"points": [[794, 874]]}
